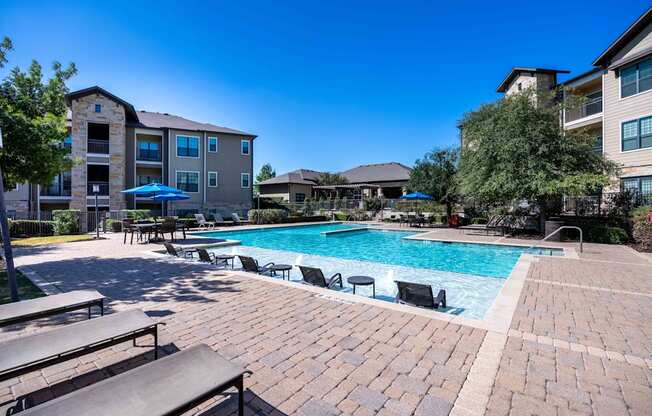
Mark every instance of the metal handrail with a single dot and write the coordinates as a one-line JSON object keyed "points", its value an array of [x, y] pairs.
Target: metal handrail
{"points": [[558, 230]]}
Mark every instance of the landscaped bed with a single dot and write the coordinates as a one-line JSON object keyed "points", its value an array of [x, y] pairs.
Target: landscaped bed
{"points": [[53, 239], [26, 289]]}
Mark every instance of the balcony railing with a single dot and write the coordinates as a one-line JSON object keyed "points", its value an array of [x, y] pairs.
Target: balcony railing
{"points": [[98, 146], [104, 188], [56, 190], [589, 108], [149, 155]]}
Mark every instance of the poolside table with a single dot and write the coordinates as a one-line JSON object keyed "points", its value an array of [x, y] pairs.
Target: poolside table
{"points": [[225, 258], [283, 268], [362, 281]]}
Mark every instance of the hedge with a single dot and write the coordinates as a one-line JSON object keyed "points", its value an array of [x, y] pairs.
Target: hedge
{"points": [[267, 216], [136, 214], [114, 225], [642, 228], [606, 235], [66, 221], [28, 228]]}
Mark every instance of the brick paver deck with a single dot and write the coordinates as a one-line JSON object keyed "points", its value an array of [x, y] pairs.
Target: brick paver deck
{"points": [[580, 340]]}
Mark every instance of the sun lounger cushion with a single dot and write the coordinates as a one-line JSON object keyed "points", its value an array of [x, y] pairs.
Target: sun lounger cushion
{"points": [[162, 387], [21, 352], [47, 306]]}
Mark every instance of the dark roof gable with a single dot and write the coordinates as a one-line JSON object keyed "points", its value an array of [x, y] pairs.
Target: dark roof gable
{"points": [[520, 69], [630, 33]]}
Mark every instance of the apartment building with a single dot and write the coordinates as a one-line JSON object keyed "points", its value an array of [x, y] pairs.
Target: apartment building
{"points": [[618, 106], [118, 147]]}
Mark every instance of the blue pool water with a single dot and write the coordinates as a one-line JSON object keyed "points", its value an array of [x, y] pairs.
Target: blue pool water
{"points": [[472, 274], [387, 247]]}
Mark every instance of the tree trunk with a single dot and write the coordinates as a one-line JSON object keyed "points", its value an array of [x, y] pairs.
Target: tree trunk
{"points": [[543, 215]]}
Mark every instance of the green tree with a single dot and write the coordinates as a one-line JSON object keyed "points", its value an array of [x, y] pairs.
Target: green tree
{"points": [[435, 175], [32, 121], [266, 172], [331, 179], [516, 149]]}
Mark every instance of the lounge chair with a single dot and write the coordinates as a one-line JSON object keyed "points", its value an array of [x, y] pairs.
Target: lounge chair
{"points": [[23, 355], [206, 257], [249, 264], [178, 252], [236, 219], [201, 221], [420, 295], [219, 220], [495, 223], [170, 386], [315, 277], [28, 310]]}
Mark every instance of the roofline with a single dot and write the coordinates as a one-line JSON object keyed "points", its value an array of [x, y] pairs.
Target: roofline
{"points": [[624, 38], [519, 69], [95, 89], [580, 76]]}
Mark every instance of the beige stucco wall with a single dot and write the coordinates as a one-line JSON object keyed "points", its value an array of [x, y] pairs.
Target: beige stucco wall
{"points": [[617, 110]]}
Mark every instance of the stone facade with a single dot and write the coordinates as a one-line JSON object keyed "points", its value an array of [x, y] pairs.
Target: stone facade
{"points": [[113, 114]]}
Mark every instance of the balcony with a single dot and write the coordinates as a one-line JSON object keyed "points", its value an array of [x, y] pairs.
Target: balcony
{"points": [[104, 188], [98, 146], [56, 190], [149, 155]]}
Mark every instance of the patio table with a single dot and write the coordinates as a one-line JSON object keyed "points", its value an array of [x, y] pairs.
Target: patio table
{"points": [[362, 281], [283, 268], [147, 228]]}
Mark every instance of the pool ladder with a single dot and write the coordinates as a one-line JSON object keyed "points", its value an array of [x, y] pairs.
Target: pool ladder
{"points": [[568, 227]]}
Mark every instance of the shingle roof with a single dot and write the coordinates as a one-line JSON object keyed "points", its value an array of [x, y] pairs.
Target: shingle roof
{"points": [[165, 120], [299, 176], [380, 172]]}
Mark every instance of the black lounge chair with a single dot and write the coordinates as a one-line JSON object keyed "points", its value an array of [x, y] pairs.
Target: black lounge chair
{"points": [[176, 252], [315, 277], [22, 355], [249, 264], [170, 386], [219, 220], [206, 257], [494, 224], [416, 294], [28, 310]]}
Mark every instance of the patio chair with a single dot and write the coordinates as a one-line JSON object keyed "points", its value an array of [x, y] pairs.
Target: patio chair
{"points": [[206, 257], [28, 310], [219, 220], [169, 225], [201, 221], [29, 353], [236, 219], [417, 294], [249, 264], [315, 277], [177, 252], [170, 386], [127, 228]]}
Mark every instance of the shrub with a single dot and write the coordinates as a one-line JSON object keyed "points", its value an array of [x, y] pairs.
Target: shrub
{"points": [[114, 225], [28, 228], [267, 216], [642, 228], [66, 221], [479, 221], [136, 214], [606, 235], [341, 216]]}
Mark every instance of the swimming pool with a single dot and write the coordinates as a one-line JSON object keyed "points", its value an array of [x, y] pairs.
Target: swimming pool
{"points": [[472, 274]]}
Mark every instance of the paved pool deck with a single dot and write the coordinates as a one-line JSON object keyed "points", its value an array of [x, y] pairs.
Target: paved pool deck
{"points": [[578, 341]]}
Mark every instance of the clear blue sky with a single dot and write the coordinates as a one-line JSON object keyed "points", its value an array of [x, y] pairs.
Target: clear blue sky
{"points": [[325, 85]]}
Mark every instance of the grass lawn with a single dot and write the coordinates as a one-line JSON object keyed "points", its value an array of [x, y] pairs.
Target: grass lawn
{"points": [[26, 289], [53, 239]]}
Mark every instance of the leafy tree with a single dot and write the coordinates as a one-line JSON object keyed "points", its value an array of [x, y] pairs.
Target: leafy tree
{"points": [[435, 175], [32, 120], [266, 172], [516, 149], [331, 179]]}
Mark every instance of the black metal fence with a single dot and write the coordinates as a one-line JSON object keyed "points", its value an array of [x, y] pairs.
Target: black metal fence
{"points": [[605, 203]]}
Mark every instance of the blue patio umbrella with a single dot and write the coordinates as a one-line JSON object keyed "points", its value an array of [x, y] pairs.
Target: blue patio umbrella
{"points": [[416, 196], [170, 197], [152, 189]]}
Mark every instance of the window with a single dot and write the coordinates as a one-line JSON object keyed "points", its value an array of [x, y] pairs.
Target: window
{"points": [[244, 147], [98, 108], [187, 146], [148, 151], [636, 134], [212, 179], [188, 181], [244, 180], [520, 86], [147, 179], [636, 78], [641, 185], [299, 197], [212, 144]]}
